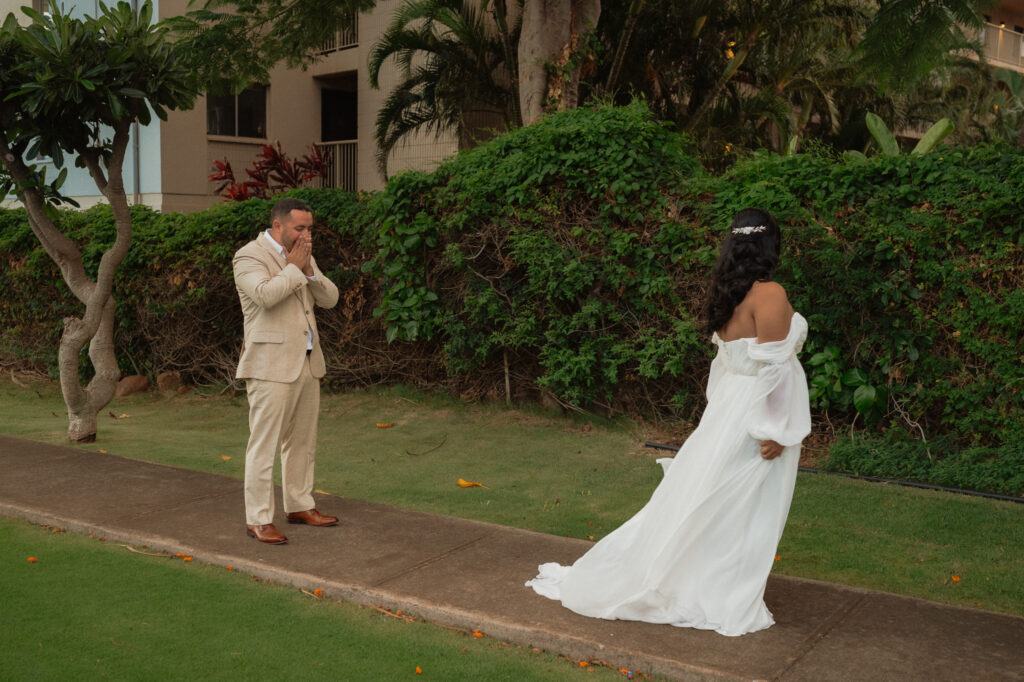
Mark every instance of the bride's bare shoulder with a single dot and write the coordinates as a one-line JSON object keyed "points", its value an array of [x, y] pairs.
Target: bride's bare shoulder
{"points": [[768, 292], [772, 311]]}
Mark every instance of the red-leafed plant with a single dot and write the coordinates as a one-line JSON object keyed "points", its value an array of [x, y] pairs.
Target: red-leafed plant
{"points": [[272, 173]]}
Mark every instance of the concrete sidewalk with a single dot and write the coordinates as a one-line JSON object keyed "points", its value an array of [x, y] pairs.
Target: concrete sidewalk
{"points": [[470, 575]]}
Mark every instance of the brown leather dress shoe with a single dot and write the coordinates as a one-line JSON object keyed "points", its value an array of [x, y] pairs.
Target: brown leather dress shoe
{"points": [[267, 534], [312, 517]]}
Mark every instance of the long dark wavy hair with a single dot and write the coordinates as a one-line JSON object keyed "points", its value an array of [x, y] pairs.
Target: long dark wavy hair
{"points": [[747, 256]]}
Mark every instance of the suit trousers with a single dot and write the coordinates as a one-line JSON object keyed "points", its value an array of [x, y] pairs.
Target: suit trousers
{"points": [[281, 416]]}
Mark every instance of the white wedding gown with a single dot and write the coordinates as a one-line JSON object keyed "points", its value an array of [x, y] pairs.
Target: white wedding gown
{"points": [[699, 553]]}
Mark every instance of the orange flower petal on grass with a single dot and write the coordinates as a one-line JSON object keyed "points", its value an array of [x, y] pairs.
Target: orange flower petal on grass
{"points": [[419, 670], [32, 560], [584, 664], [318, 592], [229, 568], [180, 554], [385, 425], [477, 634], [778, 558], [463, 483], [188, 558], [955, 578], [225, 457]]}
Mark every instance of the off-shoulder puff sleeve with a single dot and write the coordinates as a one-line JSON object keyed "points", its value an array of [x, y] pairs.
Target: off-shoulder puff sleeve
{"points": [[781, 408]]}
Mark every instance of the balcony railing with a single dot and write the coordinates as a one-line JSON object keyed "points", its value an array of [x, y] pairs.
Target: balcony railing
{"points": [[341, 164], [342, 39], [1002, 45]]}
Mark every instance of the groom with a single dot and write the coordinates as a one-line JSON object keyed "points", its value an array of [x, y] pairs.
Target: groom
{"points": [[278, 285]]}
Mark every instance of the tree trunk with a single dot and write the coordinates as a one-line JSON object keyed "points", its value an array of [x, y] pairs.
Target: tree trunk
{"points": [[550, 37], [96, 326], [85, 403]]}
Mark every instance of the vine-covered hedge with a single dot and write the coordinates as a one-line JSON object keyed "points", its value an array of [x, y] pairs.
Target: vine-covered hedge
{"points": [[571, 256]]}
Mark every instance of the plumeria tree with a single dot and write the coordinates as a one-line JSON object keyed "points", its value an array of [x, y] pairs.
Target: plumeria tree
{"points": [[73, 88]]}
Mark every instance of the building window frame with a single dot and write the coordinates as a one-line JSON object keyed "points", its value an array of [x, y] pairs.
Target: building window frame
{"points": [[238, 116]]}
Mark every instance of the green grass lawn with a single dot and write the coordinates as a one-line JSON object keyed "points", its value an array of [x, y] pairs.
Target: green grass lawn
{"points": [[88, 610], [567, 476]]}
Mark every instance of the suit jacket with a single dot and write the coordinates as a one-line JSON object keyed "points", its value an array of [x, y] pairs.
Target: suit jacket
{"points": [[277, 302]]}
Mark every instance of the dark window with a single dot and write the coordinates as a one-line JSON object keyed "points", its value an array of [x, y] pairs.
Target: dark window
{"points": [[241, 115], [337, 115]]}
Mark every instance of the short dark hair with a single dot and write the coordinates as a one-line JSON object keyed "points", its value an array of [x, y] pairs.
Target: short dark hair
{"points": [[284, 207]]}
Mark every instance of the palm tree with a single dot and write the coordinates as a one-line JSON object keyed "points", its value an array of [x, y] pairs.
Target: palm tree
{"points": [[456, 65]]}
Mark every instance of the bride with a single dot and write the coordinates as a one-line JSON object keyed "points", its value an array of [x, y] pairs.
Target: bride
{"points": [[699, 553]]}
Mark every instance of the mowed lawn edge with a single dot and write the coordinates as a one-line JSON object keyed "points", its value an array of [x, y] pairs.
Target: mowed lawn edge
{"points": [[566, 475]]}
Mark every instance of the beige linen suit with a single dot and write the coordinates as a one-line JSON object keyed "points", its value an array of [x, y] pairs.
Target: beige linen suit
{"points": [[282, 379]]}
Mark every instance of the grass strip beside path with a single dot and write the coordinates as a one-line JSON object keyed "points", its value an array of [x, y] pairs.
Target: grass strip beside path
{"points": [[566, 476], [86, 609]]}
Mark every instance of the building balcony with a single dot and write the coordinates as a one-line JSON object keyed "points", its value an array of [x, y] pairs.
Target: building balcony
{"points": [[341, 164], [342, 40], [1002, 46]]}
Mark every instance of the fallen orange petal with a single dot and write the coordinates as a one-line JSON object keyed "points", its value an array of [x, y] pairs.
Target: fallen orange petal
{"points": [[229, 568], [180, 554], [477, 634], [32, 560], [584, 664], [463, 483], [777, 557], [318, 591], [956, 578], [225, 457], [385, 425], [419, 670], [188, 558]]}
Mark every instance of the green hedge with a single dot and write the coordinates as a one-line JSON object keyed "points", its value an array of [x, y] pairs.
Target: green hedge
{"points": [[571, 257], [177, 308]]}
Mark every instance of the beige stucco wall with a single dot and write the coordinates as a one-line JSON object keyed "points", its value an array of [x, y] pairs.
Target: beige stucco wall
{"points": [[8, 6], [420, 152], [293, 118], [1009, 12]]}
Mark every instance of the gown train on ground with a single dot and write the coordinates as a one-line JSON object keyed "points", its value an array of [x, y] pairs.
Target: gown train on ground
{"points": [[699, 553]]}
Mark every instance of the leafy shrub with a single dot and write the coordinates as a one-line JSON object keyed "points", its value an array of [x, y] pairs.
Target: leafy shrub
{"points": [[910, 270], [176, 304], [272, 173], [555, 248], [571, 256], [997, 469]]}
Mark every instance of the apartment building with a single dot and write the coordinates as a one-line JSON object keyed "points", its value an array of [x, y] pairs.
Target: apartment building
{"points": [[331, 105]]}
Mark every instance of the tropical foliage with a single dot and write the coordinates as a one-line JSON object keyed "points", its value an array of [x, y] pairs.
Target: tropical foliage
{"points": [[569, 258], [455, 64], [272, 172]]}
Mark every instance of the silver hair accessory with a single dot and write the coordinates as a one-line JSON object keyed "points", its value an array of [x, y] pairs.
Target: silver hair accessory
{"points": [[749, 229]]}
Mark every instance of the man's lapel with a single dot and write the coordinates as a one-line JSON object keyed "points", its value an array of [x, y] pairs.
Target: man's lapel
{"points": [[274, 259]]}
